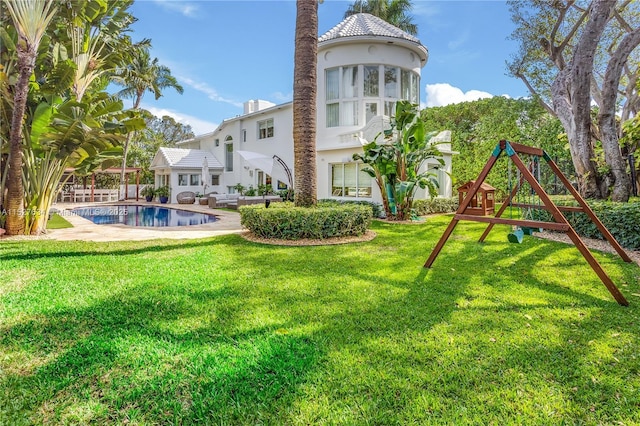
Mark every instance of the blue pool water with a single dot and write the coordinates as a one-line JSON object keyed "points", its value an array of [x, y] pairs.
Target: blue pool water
{"points": [[153, 216]]}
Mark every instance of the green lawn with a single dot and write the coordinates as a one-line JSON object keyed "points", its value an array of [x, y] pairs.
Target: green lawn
{"points": [[58, 222], [224, 331]]}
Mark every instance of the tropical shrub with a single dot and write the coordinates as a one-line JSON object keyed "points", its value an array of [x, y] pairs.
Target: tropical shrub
{"points": [[396, 162], [163, 191], [148, 191], [285, 221]]}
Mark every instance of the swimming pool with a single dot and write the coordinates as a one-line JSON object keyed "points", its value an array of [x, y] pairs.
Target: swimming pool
{"points": [[151, 216]]}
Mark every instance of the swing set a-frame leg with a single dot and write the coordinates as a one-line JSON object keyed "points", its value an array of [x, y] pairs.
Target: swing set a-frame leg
{"points": [[463, 206], [559, 217], [443, 239]]}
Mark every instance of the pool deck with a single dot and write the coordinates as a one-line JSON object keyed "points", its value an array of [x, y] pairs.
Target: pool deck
{"points": [[83, 229]]}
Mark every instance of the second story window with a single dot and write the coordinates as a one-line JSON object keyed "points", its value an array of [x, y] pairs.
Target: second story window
{"points": [[355, 94], [265, 129], [228, 148]]}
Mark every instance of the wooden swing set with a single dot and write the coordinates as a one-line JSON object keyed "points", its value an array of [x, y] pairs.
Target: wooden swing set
{"points": [[561, 223]]}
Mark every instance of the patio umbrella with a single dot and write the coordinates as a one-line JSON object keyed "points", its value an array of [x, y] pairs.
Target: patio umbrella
{"points": [[205, 175]]}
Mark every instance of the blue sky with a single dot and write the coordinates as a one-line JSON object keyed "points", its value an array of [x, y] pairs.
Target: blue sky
{"points": [[227, 52]]}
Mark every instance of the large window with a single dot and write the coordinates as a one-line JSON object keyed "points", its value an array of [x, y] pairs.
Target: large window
{"points": [[183, 180], [371, 81], [350, 82], [390, 82], [348, 180], [361, 92], [194, 180], [333, 84], [265, 129], [333, 115], [409, 86], [228, 158]]}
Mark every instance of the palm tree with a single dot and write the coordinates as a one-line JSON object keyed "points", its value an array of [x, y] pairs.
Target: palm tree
{"points": [[395, 12], [140, 76], [304, 102], [30, 18]]}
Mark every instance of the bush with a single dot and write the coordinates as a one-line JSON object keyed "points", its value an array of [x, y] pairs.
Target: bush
{"points": [[284, 221], [435, 205], [621, 219], [376, 208]]}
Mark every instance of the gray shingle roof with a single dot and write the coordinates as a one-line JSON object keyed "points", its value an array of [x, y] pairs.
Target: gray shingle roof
{"points": [[189, 158], [364, 24]]}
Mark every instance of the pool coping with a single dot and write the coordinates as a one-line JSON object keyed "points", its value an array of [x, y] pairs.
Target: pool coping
{"points": [[84, 230]]}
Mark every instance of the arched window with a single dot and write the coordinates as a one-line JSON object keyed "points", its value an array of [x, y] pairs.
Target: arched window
{"points": [[228, 154]]}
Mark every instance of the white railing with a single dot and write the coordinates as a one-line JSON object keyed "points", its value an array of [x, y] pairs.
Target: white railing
{"points": [[84, 195]]}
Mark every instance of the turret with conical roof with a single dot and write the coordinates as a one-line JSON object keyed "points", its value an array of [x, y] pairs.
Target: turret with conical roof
{"points": [[365, 27], [365, 65]]}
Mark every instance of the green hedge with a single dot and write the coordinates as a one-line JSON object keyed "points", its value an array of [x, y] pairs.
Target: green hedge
{"points": [[621, 219], [435, 205], [376, 208], [284, 221]]}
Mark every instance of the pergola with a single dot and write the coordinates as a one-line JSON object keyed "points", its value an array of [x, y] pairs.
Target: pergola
{"points": [[114, 170]]}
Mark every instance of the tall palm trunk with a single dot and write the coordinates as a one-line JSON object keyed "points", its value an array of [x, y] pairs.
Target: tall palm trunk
{"points": [[304, 102], [15, 197]]}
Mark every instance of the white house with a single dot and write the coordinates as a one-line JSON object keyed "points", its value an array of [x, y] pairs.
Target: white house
{"points": [[365, 65]]}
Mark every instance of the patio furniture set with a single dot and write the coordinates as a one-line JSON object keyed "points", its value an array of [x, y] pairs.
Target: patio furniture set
{"points": [[231, 201]]}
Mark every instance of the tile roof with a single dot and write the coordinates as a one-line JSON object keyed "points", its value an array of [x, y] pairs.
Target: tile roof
{"points": [[189, 158], [364, 24]]}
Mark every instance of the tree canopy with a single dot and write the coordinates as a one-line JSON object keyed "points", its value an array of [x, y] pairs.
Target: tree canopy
{"points": [[575, 52]]}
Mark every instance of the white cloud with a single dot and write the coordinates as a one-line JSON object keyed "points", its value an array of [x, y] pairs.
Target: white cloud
{"points": [[199, 126], [282, 97], [188, 9], [425, 9], [207, 90], [441, 94], [462, 38]]}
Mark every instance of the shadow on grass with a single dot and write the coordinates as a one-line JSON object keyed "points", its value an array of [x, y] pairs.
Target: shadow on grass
{"points": [[122, 354], [33, 250], [339, 335]]}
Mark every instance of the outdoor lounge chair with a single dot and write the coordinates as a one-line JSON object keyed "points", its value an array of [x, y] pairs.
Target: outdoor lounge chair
{"points": [[186, 197]]}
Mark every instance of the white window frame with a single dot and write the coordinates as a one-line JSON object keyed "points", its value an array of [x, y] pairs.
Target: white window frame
{"points": [[266, 128], [346, 98], [360, 190], [183, 179], [228, 157]]}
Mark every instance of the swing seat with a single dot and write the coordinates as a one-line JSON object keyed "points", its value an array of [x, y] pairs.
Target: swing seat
{"points": [[516, 236], [530, 231]]}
